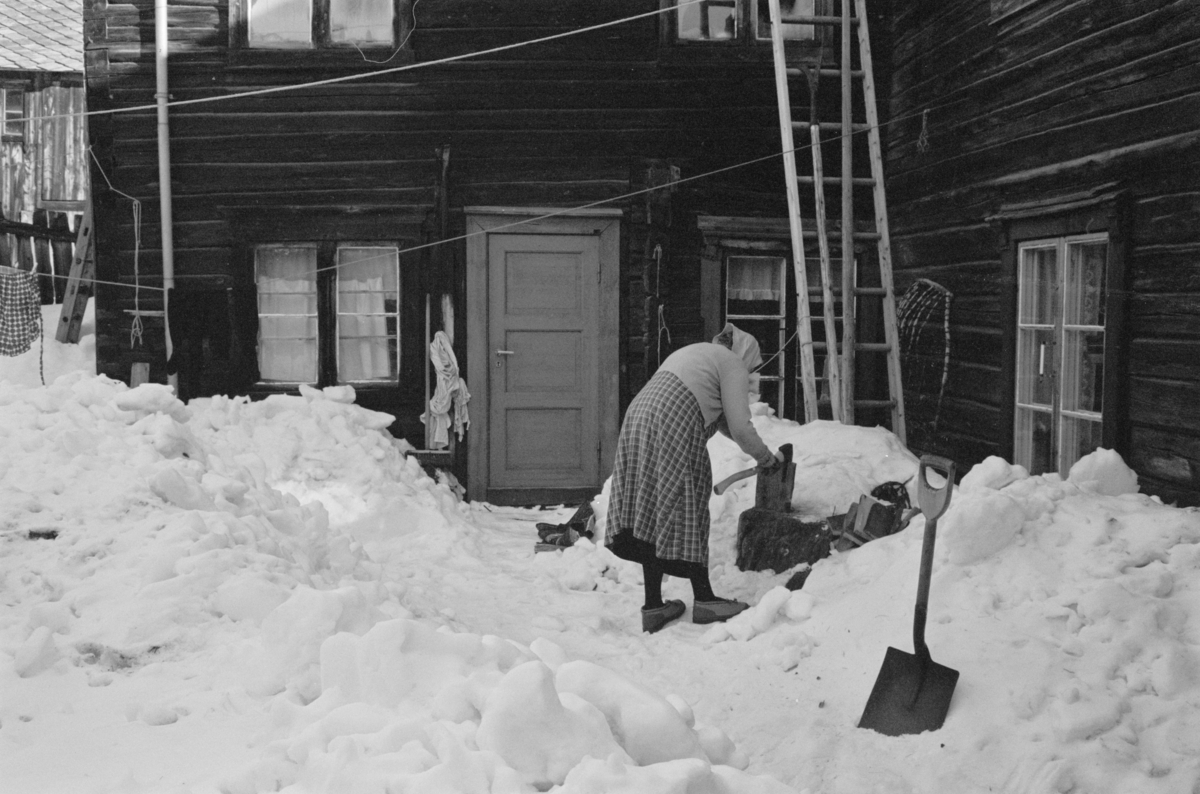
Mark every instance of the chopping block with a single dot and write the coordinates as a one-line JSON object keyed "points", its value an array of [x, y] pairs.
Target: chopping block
{"points": [[769, 534]]}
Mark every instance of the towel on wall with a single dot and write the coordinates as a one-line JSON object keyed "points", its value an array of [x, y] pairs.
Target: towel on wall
{"points": [[451, 392]]}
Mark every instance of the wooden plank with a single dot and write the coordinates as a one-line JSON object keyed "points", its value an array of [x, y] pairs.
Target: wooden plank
{"points": [[884, 249], [78, 283], [1168, 405], [808, 376]]}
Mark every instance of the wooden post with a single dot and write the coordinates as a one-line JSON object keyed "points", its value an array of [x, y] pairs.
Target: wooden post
{"points": [[808, 378], [849, 267], [60, 255], [891, 332]]}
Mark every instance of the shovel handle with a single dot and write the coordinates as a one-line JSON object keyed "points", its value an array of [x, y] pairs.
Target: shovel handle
{"points": [[933, 502]]}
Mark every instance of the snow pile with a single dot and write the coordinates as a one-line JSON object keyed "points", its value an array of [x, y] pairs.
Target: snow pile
{"points": [[176, 568], [406, 707], [1071, 609]]}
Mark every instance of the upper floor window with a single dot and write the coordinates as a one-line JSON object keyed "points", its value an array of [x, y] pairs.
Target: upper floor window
{"points": [[12, 114], [740, 21], [326, 23]]}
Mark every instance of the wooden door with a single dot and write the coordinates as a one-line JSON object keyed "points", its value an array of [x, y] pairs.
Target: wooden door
{"points": [[543, 338]]}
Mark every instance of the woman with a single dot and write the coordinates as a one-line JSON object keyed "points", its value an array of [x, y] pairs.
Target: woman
{"points": [[662, 476]]}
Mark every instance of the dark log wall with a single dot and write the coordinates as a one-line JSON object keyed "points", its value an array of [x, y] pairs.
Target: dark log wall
{"points": [[593, 118], [1059, 96]]}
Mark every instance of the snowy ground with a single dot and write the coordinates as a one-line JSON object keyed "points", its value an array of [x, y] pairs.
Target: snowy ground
{"points": [[239, 597]]}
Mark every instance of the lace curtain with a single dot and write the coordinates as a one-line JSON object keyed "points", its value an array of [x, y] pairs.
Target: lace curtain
{"points": [[287, 314], [753, 278], [368, 293]]}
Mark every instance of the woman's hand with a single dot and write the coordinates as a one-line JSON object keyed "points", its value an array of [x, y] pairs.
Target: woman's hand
{"points": [[773, 466]]}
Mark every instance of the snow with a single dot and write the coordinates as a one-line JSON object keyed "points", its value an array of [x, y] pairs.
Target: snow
{"points": [[234, 596]]}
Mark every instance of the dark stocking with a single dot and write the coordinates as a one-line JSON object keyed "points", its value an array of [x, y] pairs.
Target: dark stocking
{"points": [[701, 587], [652, 574]]}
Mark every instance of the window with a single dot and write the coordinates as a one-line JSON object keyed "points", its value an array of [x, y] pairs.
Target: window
{"points": [[12, 114], [756, 302], [363, 327], [1060, 351], [744, 21], [326, 23], [368, 286]]}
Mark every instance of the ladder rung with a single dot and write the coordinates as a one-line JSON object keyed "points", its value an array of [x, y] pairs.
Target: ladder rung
{"points": [[863, 347], [804, 179], [754, 317], [878, 292], [814, 20], [874, 403], [811, 234], [832, 126], [824, 71]]}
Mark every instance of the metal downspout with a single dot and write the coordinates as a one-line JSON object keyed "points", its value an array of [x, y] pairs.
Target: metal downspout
{"points": [[164, 172]]}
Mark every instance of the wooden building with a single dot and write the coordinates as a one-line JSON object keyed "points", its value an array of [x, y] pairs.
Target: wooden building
{"points": [[1044, 166], [555, 200], [345, 185], [43, 135]]}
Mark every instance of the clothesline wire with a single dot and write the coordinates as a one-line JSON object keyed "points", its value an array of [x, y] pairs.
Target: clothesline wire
{"points": [[554, 213], [391, 70]]}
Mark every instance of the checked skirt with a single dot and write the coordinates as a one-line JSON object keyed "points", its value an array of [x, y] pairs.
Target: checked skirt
{"points": [[662, 475]]}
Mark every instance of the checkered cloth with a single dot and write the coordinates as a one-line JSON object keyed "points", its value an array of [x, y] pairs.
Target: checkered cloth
{"points": [[662, 475], [20, 311]]}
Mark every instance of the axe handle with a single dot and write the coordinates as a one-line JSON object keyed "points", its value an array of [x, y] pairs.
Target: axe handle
{"points": [[724, 484]]}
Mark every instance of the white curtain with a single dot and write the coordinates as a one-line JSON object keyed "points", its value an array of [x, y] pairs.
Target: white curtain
{"points": [[368, 278], [753, 279], [287, 314]]}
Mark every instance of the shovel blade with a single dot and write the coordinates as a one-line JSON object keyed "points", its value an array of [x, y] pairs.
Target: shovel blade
{"points": [[907, 699]]}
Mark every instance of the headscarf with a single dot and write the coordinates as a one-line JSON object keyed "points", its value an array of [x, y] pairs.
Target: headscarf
{"points": [[741, 343]]}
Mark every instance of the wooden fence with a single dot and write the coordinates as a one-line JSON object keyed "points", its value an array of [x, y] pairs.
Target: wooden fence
{"points": [[45, 247]]}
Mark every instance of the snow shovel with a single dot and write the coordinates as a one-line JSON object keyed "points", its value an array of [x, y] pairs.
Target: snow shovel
{"points": [[912, 693]]}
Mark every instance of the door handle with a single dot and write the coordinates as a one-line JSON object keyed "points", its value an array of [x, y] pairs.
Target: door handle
{"points": [[504, 352]]}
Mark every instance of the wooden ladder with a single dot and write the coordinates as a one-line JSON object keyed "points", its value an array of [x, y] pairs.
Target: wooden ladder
{"points": [[840, 360], [79, 282]]}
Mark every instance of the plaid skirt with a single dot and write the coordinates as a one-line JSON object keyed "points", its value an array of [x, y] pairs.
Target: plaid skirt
{"points": [[662, 475]]}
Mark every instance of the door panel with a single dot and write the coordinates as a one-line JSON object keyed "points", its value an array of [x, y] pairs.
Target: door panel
{"points": [[543, 314]]}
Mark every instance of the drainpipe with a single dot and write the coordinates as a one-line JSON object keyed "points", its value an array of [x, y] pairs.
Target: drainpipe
{"points": [[164, 172]]}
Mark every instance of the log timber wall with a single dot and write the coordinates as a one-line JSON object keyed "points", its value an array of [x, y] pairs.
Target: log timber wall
{"points": [[1028, 99], [586, 119]]}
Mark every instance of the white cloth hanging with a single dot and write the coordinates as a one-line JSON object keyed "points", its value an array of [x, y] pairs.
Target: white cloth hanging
{"points": [[451, 392]]}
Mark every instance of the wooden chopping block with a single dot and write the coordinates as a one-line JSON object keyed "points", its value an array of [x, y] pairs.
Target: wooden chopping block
{"points": [[771, 539], [769, 536]]}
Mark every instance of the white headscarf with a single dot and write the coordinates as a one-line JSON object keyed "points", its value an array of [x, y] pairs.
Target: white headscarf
{"points": [[741, 343]]}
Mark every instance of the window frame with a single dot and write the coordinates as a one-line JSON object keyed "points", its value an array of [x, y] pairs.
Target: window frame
{"points": [[725, 237], [338, 313], [5, 136], [1103, 208], [328, 340], [318, 340], [747, 37], [1059, 328], [780, 319], [320, 45]]}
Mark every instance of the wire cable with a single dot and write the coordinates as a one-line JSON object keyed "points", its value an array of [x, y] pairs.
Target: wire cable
{"points": [[365, 75]]}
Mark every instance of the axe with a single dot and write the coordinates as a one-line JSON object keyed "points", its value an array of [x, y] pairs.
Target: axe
{"points": [[724, 484]]}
